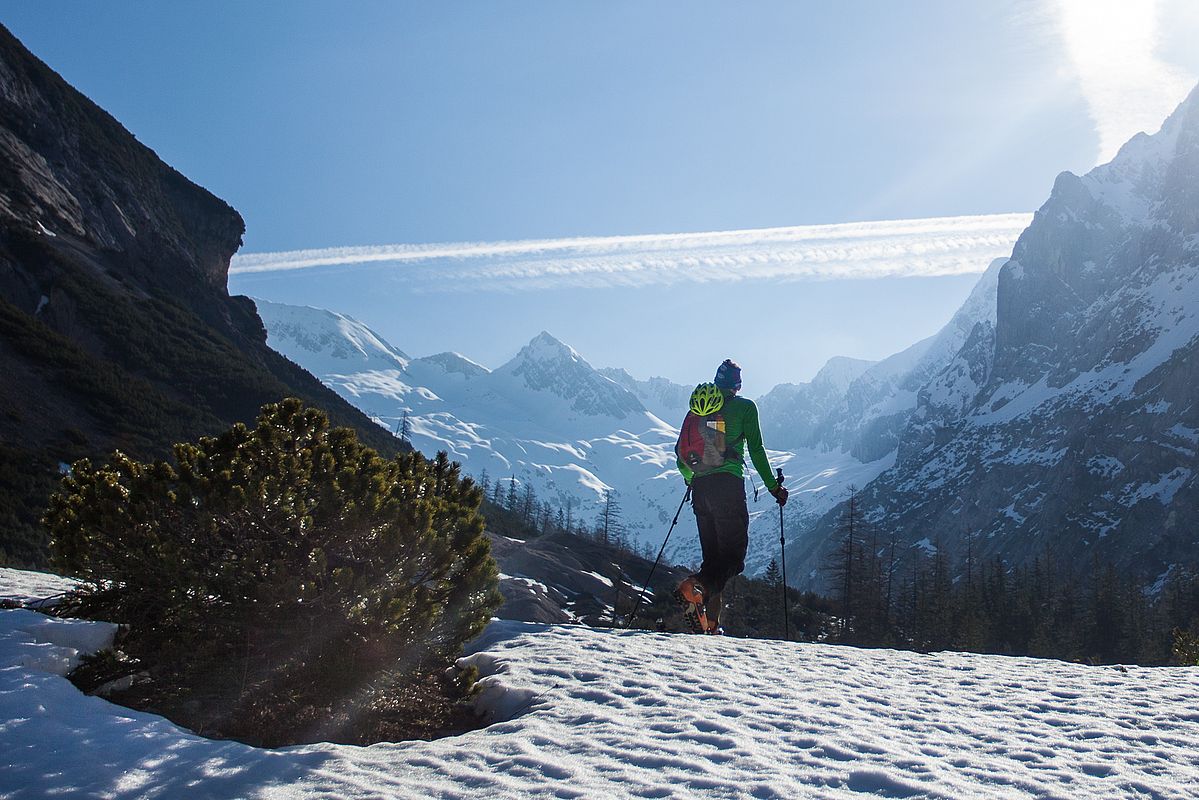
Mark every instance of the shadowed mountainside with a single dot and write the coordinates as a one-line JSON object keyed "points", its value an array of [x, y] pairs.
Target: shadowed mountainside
{"points": [[116, 326]]}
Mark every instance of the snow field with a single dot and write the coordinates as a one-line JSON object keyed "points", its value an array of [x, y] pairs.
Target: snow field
{"points": [[26, 586], [661, 715], [585, 713]]}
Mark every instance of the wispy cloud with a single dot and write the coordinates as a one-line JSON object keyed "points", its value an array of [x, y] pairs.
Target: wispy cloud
{"points": [[1112, 46], [862, 250]]}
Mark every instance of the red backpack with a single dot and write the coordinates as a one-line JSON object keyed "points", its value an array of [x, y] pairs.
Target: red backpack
{"points": [[701, 445]]}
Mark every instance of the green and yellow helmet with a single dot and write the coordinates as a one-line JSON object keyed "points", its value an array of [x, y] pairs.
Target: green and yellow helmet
{"points": [[706, 399]]}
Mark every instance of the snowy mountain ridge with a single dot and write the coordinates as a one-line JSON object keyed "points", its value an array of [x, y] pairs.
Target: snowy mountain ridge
{"points": [[664, 398], [548, 418], [335, 342], [546, 365], [1069, 425]]}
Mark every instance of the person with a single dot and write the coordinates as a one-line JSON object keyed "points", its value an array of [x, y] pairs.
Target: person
{"points": [[717, 485]]}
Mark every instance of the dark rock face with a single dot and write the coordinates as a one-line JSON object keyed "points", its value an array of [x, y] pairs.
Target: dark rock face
{"points": [[71, 170], [1071, 425], [116, 327]]}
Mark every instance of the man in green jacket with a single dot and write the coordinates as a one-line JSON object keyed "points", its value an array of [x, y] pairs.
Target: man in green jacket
{"points": [[718, 495]]}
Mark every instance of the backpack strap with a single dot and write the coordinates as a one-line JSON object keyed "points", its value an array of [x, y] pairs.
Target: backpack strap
{"points": [[731, 453]]}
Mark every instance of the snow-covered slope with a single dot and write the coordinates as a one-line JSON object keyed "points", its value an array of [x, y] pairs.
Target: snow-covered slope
{"points": [[1070, 424], [329, 341], [585, 713], [664, 398], [20, 586]]}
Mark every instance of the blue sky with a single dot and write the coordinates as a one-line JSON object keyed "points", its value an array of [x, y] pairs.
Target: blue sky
{"points": [[333, 125]]}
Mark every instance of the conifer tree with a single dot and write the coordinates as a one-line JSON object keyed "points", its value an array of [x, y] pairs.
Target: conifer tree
{"points": [[528, 503], [845, 558], [287, 550], [773, 577], [611, 527]]}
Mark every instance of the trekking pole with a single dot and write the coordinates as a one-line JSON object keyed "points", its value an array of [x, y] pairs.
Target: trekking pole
{"points": [[783, 559], [661, 550]]}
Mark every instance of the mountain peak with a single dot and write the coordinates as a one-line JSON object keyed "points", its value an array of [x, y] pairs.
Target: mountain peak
{"points": [[840, 371], [546, 347], [546, 364]]}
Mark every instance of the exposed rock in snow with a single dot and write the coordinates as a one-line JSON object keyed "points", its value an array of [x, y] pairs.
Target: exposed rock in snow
{"points": [[565, 578]]}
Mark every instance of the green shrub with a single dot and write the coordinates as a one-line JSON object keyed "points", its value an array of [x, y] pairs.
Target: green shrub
{"points": [[287, 554]]}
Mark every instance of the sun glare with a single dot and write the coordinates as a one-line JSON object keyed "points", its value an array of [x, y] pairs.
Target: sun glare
{"points": [[1113, 46]]}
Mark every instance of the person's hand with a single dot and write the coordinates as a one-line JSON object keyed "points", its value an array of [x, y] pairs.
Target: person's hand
{"points": [[780, 494]]}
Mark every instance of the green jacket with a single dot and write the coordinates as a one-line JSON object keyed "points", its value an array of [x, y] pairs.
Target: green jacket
{"points": [[740, 429]]}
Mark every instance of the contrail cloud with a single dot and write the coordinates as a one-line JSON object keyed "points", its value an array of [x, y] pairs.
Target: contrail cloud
{"points": [[858, 250]]}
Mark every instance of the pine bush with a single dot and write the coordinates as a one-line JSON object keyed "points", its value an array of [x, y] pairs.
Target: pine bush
{"points": [[287, 554], [1186, 648]]}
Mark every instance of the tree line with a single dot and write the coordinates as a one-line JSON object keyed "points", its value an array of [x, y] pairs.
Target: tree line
{"points": [[927, 601], [512, 508]]}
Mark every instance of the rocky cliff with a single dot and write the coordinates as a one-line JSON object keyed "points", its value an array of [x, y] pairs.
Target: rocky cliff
{"points": [[116, 327]]}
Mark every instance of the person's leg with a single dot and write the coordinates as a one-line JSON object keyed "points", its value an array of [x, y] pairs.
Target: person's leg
{"points": [[730, 530], [709, 534]]}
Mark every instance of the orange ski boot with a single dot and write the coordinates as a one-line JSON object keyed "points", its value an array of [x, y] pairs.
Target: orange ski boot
{"points": [[690, 595]]}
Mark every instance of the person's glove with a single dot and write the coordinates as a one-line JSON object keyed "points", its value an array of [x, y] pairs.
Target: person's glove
{"points": [[780, 494]]}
